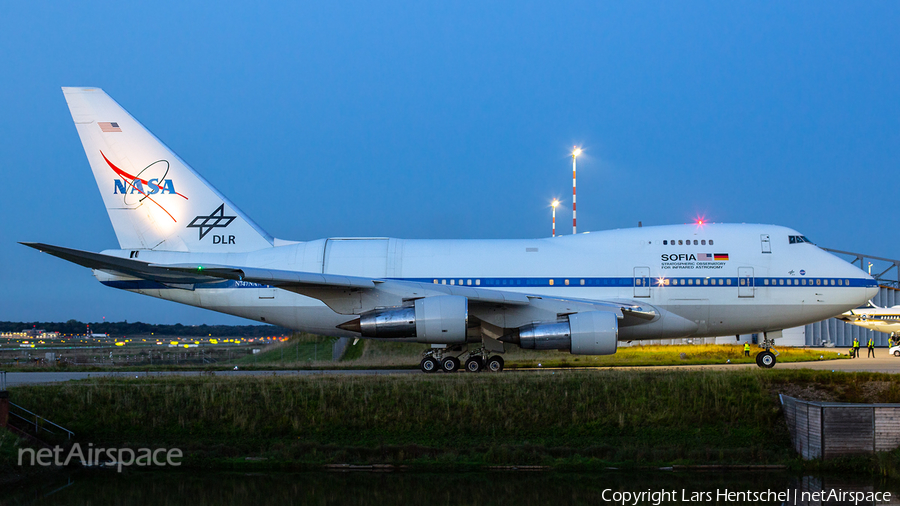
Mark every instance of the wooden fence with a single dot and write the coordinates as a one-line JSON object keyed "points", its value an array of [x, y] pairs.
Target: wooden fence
{"points": [[832, 429]]}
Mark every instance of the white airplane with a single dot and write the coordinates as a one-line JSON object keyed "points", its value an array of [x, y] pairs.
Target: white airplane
{"points": [[870, 316], [182, 240]]}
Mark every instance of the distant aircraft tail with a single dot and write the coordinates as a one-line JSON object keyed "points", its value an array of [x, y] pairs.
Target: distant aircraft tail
{"points": [[154, 199]]}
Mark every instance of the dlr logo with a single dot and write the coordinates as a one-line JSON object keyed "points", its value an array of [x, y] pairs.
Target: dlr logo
{"points": [[221, 239]]}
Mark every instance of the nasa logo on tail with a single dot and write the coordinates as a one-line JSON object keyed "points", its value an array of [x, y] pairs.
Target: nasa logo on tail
{"points": [[151, 180], [216, 219]]}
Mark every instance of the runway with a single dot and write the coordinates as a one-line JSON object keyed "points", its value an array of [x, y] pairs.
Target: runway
{"points": [[881, 363]]}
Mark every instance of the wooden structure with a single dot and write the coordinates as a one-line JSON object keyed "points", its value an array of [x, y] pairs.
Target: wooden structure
{"points": [[833, 429]]}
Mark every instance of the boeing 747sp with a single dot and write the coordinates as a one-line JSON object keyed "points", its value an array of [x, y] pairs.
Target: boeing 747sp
{"points": [[182, 240]]}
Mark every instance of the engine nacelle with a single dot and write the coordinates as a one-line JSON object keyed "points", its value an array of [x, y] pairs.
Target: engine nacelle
{"points": [[589, 333], [434, 320]]}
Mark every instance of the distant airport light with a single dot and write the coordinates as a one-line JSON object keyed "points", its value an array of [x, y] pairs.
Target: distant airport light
{"points": [[576, 151], [554, 204]]}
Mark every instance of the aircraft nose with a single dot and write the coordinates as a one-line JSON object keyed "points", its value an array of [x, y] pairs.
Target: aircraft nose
{"points": [[872, 291]]}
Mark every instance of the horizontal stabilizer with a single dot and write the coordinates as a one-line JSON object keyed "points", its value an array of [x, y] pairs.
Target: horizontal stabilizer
{"points": [[125, 266]]}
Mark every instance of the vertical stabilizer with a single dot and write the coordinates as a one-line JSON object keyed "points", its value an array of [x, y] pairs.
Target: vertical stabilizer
{"points": [[154, 199]]}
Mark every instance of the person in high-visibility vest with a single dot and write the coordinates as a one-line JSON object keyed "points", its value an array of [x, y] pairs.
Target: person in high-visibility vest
{"points": [[871, 346], [746, 349], [855, 347]]}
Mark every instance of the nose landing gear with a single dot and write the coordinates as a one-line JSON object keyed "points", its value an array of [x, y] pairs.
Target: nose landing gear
{"points": [[767, 359]]}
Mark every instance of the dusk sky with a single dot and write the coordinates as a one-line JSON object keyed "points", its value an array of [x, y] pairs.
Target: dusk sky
{"points": [[452, 120]]}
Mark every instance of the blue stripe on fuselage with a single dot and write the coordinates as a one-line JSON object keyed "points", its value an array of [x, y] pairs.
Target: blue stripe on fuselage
{"points": [[558, 282]]}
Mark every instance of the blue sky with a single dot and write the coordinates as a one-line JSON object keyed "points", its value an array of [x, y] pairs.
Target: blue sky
{"points": [[452, 120]]}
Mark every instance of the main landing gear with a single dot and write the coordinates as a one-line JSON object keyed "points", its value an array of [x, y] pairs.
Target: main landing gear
{"points": [[767, 359], [449, 360]]}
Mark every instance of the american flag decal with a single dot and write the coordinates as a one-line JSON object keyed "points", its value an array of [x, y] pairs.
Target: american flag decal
{"points": [[108, 126]]}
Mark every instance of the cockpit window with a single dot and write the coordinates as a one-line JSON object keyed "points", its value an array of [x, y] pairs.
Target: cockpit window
{"points": [[797, 239]]}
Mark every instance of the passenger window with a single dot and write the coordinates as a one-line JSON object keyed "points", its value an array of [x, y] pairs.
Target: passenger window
{"points": [[690, 281], [567, 282], [551, 282], [435, 281], [706, 281], [743, 281], [477, 282], [818, 282], [452, 281], [728, 281], [679, 242], [696, 242], [665, 242], [703, 242], [582, 282], [781, 282], [847, 282], [766, 282], [710, 242]]}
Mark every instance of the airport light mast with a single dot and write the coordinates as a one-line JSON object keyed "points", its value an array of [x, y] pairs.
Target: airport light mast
{"points": [[575, 152], [554, 204]]}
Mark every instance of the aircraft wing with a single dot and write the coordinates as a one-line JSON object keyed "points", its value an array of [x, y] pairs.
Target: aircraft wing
{"points": [[354, 295]]}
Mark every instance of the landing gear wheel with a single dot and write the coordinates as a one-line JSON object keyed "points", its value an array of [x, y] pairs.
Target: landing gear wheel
{"points": [[766, 359], [897, 353], [474, 364], [450, 364], [495, 364], [429, 364], [758, 357]]}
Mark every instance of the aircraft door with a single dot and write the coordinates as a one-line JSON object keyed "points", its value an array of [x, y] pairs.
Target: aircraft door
{"points": [[745, 282], [641, 281], [766, 245]]}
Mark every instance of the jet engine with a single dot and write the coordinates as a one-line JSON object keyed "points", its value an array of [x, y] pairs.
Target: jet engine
{"points": [[440, 319], [589, 333]]}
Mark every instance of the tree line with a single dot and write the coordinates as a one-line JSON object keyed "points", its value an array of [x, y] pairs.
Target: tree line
{"points": [[124, 328]]}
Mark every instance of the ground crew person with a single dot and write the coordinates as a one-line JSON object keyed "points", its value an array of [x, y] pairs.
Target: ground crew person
{"points": [[746, 349], [855, 347], [871, 346]]}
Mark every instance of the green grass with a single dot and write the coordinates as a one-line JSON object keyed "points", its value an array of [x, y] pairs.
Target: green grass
{"points": [[302, 350], [390, 354], [308, 351], [9, 448], [570, 420]]}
